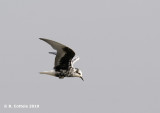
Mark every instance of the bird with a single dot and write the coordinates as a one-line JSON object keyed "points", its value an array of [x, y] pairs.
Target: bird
{"points": [[64, 60]]}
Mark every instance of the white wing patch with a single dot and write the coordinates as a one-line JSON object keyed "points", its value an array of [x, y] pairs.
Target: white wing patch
{"points": [[75, 59]]}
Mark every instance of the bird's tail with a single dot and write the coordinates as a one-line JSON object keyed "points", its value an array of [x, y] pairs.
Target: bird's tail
{"points": [[43, 72], [52, 72]]}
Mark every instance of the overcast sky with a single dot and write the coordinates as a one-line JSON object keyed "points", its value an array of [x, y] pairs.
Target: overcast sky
{"points": [[118, 42]]}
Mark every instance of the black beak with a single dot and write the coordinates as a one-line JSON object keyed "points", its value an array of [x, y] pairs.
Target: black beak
{"points": [[82, 78]]}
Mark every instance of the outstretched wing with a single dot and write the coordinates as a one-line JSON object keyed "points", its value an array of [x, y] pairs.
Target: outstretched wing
{"points": [[75, 59], [64, 55]]}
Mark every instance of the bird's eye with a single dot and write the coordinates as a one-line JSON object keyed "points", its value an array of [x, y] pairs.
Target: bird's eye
{"points": [[77, 71]]}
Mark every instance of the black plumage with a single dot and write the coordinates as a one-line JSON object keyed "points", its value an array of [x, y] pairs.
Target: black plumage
{"points": [[65, 61]]}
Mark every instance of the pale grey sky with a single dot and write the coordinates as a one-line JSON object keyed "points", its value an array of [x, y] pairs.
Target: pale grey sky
{"points": [[118, 44]]}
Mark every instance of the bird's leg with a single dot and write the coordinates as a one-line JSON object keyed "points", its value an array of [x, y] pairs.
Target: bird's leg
{"points": [[61, 74], [53, 53], [74, 60]]}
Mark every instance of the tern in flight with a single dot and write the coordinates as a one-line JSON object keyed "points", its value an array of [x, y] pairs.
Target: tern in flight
{"points": [[64, 60]]}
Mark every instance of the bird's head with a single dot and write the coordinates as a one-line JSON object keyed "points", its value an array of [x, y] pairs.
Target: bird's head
{"points": [[78, 73]]}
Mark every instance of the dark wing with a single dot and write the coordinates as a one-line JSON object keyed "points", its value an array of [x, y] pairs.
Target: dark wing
{"points": [[64, 55]]}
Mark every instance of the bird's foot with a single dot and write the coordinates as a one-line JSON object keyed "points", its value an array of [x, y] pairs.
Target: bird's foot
{"points": [[61, 77]]}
